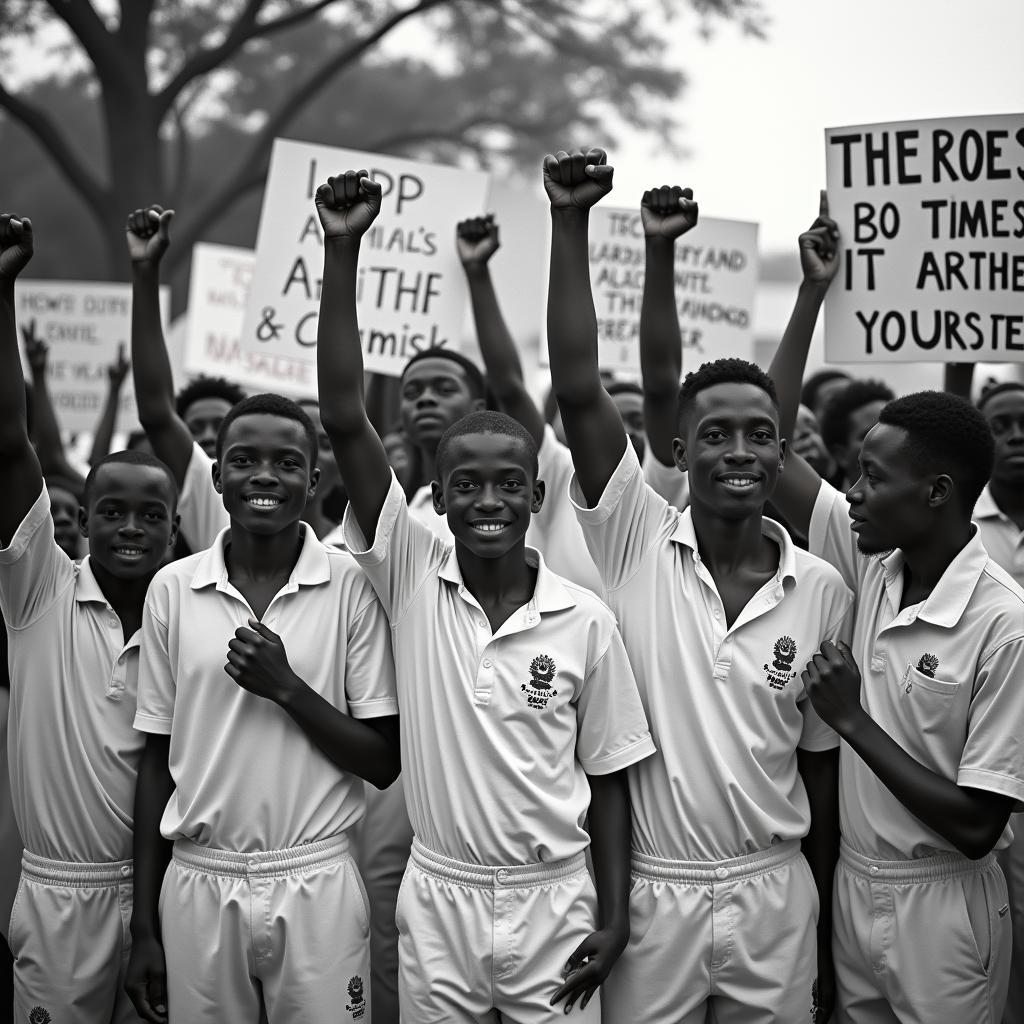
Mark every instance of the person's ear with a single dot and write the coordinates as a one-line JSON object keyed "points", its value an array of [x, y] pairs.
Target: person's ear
{"points": [[783, 448], [215, 473], [538, 496], [314, 479], [83, 521], [437, 498], [679, 454], [941, 491]]}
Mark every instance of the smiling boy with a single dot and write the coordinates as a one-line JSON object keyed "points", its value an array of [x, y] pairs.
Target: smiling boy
{"points": [[715, 603], [73, 632], [520, 705], [267, 694]]}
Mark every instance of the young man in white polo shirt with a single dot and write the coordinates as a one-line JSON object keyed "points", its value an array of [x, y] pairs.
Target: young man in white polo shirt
{"points": [[715, 605], [515, 691], [73, 631], [259, 760], [927, 699]]}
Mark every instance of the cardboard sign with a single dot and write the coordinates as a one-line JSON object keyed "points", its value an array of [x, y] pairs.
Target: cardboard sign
{"points": [[82, 323], [716, 282], [218, 295], [932, 222], [411, 291]]}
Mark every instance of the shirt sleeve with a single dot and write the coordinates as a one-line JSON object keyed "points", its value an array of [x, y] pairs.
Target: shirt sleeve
{"points": [[201, 508], [612, 731], [830, 536], [666, 481], [621, 528], [154, 711], [370, 690], [33, 569], [402, 554], [993, 757]]}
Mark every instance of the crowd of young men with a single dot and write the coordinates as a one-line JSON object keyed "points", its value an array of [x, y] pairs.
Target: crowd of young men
{"points": [[661, 758]]}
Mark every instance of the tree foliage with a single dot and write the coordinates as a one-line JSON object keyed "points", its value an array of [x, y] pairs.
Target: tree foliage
{"points": [[112, 105]]}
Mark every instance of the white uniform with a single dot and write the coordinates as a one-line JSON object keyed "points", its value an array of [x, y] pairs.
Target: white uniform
{"points": [[1004, 543], [666, 481], [262, 888], [723, 906], [73, 759], [922, 934], [200, 507], [500, 731]]}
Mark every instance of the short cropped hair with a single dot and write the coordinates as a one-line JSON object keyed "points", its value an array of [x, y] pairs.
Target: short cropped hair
{"points": [[835, 418], [945, 434], [270, 405], [207, 387], [999, 389], [486, 421], [722, 371], [475, 378], [816, 381], [74, 487], [127, 458], [624, 387]]}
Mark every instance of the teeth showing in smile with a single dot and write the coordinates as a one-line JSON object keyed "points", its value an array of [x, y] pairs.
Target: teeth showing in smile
{"points": [[489, 527], [264, 502], [739, 483], [128, 551]]}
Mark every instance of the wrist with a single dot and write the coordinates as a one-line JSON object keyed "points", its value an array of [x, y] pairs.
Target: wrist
{"points": [[475, 269], [146, 269], [659, 244], [570, 215], [814, 289], [852, 723], [289, 691]]}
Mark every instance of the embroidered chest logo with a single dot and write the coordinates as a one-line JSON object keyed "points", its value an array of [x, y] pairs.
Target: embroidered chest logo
{"points": [[927, 665], [37, 1015], [538, 690], [780, 671], [355, 992]]}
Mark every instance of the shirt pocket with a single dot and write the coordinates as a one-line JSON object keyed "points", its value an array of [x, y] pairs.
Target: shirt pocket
{"points": [[927, 701]]}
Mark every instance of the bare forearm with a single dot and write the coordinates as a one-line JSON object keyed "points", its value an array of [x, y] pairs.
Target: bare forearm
{"points": [[348, 743], [661, 348], [969, 819], [820, 774], [610, 826], [957, 379], [152, 852], [105, 426], [45, 428], [151, 366], [787, 369]]}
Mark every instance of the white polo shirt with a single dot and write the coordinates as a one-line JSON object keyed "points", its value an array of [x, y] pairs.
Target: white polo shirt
{"points": [[1003, 541], [944, 678], [246, 777], [499, 731], [666, 481], [200, 507], [726, 705], [553, 531], [73, 753]]}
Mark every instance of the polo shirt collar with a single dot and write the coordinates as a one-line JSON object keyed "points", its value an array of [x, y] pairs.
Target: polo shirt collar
{"points": [[549, 595], [986, 507], [685, 534], [312, 568], [87, 588], [949, 598]]}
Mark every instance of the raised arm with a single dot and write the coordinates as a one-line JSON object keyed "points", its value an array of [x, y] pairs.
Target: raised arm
{"points": [[45, 431], [116, 373], [958, 378], [667, 213], [477, 241], [347, 205], [148, 235], [574, 182], [798, 485], [23, 479]]}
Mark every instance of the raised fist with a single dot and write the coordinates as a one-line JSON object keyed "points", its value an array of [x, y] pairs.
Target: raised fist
{"points": [[148, 234], [477, 240], [577, 180], [819, 247], [668, 212], [15, 244], [348, 204]]}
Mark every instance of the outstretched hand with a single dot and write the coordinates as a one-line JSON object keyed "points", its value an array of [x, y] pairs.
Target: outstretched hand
{"points": [[819, 247], [577, 180], [668, 212], [589, 966], [15, 245], [348, 204], [148, 234], [477, 240]]}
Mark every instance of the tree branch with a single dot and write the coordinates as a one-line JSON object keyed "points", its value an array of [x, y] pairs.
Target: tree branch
{"points": [[46, 133], [245, 28], [80, 16], [220, 201]]}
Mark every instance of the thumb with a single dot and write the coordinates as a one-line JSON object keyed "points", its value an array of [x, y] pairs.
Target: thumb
{"points": [[580, 953], [163, 228], [371, 187], [823, 203], [267, 634], [601, 174]]}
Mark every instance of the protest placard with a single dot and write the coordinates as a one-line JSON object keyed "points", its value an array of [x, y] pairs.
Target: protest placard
{"points": [[932, 222], [82, 323], [716, 283], [218, 295], [411, 291]]}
